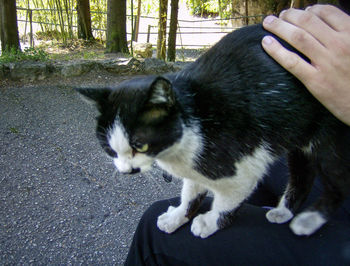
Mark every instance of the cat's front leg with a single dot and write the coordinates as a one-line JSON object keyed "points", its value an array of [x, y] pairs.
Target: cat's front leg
{"points": [[191, 197], [228, 196], [208, 223]]}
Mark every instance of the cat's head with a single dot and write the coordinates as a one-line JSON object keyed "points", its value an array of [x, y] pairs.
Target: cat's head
{"points": [[137, 121]]}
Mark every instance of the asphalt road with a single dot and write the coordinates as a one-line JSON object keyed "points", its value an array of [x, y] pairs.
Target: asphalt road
{"points": [[60, 200]]}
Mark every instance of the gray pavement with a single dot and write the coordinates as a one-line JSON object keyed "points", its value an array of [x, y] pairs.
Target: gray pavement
{"points": [[60, 200]]}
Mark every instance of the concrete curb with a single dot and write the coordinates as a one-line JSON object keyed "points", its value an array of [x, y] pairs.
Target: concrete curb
{"points": [[32, 70]]}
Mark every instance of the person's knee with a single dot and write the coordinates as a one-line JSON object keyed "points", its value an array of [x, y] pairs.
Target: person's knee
{"points": [[157, 208]]}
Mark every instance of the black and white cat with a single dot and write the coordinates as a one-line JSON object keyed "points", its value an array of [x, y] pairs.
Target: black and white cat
{"points": [[219, 124]]}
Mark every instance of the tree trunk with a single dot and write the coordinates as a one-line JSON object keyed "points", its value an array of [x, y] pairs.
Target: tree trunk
{"points": [[303, 4], [331, 2], [8, 26], [2, 37], [234, 12], [84, 20], [137, 23], [298, 3], [116, 27], [283, 4], [173, 30], [220, 11], [161, 42], [246, 20]]}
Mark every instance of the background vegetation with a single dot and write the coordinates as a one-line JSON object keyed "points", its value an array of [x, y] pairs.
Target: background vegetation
{"points": [[59, 19]]}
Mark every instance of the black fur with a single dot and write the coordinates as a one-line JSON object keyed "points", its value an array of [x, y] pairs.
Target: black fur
{"points": [[194, 205]]}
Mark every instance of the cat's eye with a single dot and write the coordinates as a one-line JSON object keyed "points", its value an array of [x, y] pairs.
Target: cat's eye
{"points": [[142, 148]]}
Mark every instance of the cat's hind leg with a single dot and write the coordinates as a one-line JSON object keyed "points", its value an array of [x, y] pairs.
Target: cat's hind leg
{"points": [[192, 195], [300, 182], [335, 176]]}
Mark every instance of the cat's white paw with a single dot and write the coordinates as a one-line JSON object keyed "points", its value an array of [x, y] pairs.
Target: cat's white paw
{"points": [[204, 225], [279, 215], [306, 223], [171, 220]]}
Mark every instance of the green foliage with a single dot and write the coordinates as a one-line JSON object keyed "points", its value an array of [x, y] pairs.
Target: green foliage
{"points": [[226, 8], [48, 35], [52, 15], [98, 9], [32, 54], [149, 7], [205, 8], [59, 17], [90, 55]]}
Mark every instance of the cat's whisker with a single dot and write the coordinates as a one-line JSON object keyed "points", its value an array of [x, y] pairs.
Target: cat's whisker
{"points": [[114, 174], [102, 133], [109, 159]]}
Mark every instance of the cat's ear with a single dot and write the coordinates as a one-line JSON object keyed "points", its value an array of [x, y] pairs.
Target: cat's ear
{"points": [[161, 92], [96, 96], [160, 100]]}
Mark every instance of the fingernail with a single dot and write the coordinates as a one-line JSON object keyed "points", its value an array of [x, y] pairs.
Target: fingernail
{"points": [[269, 19], [267, 40]]}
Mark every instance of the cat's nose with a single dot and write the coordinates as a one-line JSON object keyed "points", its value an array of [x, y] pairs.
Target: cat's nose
{"points": [[132, 171], [125, 167], [135, 171]]}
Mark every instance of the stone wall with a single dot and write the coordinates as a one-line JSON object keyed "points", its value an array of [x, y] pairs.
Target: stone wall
{"points": [[29, 70]]}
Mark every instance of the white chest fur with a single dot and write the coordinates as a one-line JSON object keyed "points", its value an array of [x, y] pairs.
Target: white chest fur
{"points": [[180, 159]]}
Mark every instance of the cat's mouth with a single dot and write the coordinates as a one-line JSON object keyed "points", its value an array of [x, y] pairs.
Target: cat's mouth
{"points": [[135, 171], [132, 171], [128, 168]]}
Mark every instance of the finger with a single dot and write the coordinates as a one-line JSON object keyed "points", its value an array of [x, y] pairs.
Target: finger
{"points": [[287, 59], [297, 37], [331, 15], [311, 23]]}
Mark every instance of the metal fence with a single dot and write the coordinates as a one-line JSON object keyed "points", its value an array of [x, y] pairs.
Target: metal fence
{"points": [[190, 33]]}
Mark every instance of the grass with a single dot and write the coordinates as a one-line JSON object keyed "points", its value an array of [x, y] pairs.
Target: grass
{"points": [[75, 49], [51, 50], [32, 54], [87, 55]]}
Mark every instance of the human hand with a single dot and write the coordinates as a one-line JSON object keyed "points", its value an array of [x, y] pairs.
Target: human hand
{"points": [[321, 33]]}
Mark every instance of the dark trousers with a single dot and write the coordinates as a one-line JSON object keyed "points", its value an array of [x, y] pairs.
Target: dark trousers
{"points": [[251, 240]]}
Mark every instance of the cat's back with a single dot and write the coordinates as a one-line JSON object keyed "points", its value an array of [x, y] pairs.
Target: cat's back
{"points": [[237, 85], [238, 65], [238, 53], [239, 72]]}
